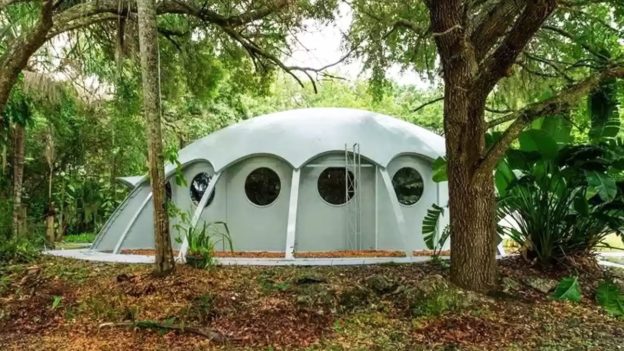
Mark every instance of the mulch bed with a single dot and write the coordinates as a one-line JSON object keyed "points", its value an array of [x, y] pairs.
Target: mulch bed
{"points": [[143, 252], [309, 254], [249, 254]]}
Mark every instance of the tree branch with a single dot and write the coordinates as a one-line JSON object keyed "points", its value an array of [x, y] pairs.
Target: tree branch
{"points": [[211, 335], [19, 51], [577, 41], [420, 107], [551, 64], [64, 19], [499, 63], [493, 24], [551, 106]]}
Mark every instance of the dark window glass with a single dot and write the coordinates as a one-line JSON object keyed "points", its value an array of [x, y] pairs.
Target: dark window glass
{"points": [[332, 185], [199, 185], [408, 185], [262, 186]]}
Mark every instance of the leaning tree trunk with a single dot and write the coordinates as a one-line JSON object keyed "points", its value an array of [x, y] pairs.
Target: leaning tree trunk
{"points": [[148, 42], [18, 176]]}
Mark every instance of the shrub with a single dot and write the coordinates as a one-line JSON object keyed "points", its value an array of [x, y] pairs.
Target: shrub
{"points": [[19, 250], [202, 242], [564, 206]]}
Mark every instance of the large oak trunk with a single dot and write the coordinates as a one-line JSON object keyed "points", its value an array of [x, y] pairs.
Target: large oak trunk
{"points": [[473, 231], [148, 42], [472, 202], [18, 176]]}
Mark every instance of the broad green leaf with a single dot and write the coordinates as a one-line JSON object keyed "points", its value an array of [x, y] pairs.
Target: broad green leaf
{"points": [[503, 177], [581, 206], [430, 225], [539, 141], [602, 106], [439, 170], [609, 296], [568, 289], [558, 127], [522, 160], [601, 184]]}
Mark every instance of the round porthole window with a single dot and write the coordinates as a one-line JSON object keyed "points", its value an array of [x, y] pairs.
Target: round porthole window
{"points": [[262, 186], [408, 185], [333, 186], [199, 185]]}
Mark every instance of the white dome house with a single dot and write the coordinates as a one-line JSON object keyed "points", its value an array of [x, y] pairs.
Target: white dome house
{"points": [[309, 180]]}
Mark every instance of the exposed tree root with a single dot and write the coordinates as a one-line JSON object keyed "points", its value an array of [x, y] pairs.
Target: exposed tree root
{"points": [[209, 334]]}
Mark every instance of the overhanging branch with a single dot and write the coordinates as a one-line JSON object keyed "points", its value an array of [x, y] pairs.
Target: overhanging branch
{"points": [[499, 63], [493, 23], [548, 107]]}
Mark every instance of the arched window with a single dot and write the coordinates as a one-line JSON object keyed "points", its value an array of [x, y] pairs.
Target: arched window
{"points": [[199, 185], [332, 185], [408, 185], [262, 186]]}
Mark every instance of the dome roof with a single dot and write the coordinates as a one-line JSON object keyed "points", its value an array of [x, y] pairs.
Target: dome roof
{"points": [[298, 136]]}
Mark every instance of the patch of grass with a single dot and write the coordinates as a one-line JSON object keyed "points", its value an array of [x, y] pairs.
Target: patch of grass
{"points": [[82, 238], [201, 309], [69, 270], [433, 297], [369, 331], [5, 281], [270, 282], [103, 308]]}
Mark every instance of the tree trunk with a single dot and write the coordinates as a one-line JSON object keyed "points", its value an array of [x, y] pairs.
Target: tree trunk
{"points": [[148, 42], [472, 202], [18, 175], [473, 231], [471, 197]]}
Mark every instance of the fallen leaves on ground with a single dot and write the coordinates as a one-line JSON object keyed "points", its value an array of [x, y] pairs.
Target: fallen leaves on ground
{"points": [[58, 304]]}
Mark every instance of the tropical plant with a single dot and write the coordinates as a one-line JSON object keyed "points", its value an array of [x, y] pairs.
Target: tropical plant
{"points": [[611, 298], [555, 201], [202, 241], [434, 239], [551, 218], [568, 289]]}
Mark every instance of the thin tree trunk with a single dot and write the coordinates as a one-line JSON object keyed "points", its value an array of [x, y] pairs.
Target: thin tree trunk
{"points": [[60, 230], [18, 174], [148, 42]]}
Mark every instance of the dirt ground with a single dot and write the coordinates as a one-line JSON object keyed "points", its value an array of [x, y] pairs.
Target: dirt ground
{"points": [[61, 304]]}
